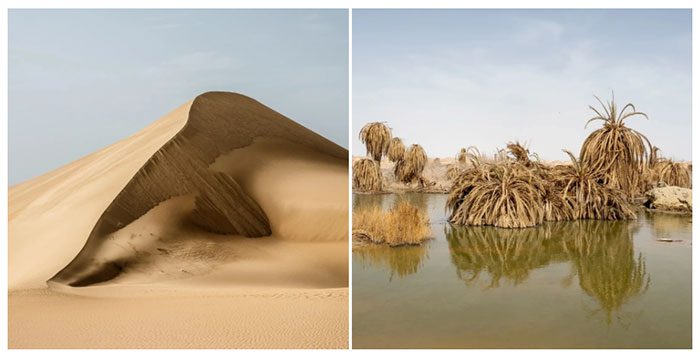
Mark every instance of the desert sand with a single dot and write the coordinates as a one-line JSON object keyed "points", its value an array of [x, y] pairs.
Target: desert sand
{"points": [[223, 224]]}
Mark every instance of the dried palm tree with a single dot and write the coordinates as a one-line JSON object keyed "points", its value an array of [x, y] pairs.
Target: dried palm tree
{"points": [[462, 156], [673, 173], [366, 176], [410, 168], [583, 190], [506, 194], [396, 150], [660, 169], [376, 136], [618, 149]]}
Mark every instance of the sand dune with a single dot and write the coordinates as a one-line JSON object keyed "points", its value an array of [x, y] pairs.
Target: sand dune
{"points": [[221, 197]]}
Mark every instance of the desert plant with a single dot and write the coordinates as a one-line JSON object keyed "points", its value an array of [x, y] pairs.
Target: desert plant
{"points": [[616, 148], [402, 224], [521, 153], [504, 194], [376, 136], [366, 176], [410, 168], [462, 156], [673, 173], [396, 149], [582, 190]]}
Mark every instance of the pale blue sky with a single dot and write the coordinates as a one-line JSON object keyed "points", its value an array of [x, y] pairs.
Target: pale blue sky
{"points": [[453, 78], [82, 79]]}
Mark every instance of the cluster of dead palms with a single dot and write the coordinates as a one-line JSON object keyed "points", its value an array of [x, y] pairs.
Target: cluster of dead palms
{"points": [[517, 190], [667, 171], [409, 162]]}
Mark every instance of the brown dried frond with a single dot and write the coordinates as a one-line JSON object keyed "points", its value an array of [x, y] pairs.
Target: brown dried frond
{"points": [[410, 168], [376, 137], [506, 194], [366, 176], [396, 149], [618, 149]]}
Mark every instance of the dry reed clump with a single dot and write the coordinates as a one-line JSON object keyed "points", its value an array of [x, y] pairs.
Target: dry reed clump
{"points": [[410, 168], [376, 136], [582, 190], [402, 224], [616, 148], [366, 176], [396, 149], [506, 194]]}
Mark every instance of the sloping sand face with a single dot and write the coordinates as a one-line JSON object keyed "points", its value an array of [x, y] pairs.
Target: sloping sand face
{"points": [[221, 200]]}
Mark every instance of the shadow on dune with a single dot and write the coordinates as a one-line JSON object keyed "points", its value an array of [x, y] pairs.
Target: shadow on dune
{"points": [[217, 124]]}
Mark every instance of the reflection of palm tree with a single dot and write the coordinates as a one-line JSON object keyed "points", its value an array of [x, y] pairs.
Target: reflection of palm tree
{"points": [[401, 261], [601, 253], [503, 253]]}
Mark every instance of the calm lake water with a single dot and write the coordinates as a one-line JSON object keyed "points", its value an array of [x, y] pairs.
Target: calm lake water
{"points": [[580, 284]]}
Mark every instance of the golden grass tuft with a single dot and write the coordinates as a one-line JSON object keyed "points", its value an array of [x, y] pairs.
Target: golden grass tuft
{"points": [[410, 168], [617, 150], [402, 224], [376, 136], [506, 194], [366, 176], [396, 149]]}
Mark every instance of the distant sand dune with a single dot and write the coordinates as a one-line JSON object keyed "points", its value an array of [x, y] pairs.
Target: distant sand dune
{"points": [[222, 194]]}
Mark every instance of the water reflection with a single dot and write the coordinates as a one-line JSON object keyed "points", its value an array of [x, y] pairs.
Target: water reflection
{"points": [[665, 225], [504, 254], [601, 253], [399, 261]]}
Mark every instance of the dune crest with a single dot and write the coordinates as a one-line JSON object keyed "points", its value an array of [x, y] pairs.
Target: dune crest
{"points": [[203, 163]]}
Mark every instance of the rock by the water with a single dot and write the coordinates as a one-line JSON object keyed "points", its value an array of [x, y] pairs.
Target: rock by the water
{"points": [[670, 198]]}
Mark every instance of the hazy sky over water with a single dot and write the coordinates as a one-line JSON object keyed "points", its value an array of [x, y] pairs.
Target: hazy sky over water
{"points": [[80, 80], [448, 79]]}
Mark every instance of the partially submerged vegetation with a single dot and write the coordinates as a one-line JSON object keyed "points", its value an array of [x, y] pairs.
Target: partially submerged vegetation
{"points": [[504, 194], [402, 224], [514, 188], [616, 151]]}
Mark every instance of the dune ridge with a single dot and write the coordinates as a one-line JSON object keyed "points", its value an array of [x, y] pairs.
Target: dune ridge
{"points": [[215, 124], [223, 224]]}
